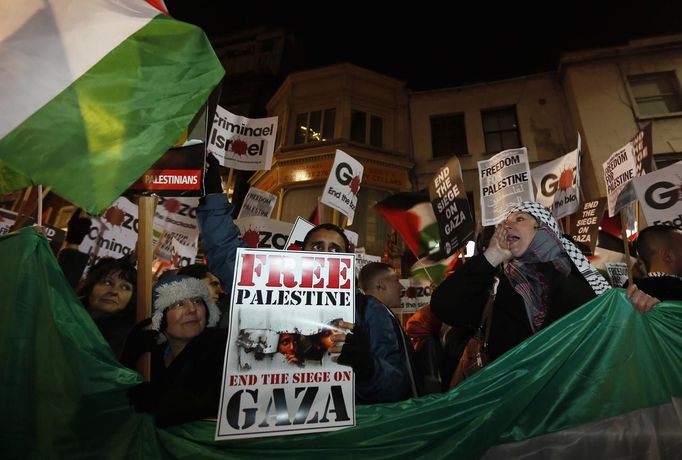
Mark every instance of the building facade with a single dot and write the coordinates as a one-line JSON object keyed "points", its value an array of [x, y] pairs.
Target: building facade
{"points": [[343, 107]]}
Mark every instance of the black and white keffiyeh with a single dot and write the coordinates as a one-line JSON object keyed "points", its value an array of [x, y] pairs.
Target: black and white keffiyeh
{"points": [[587, 270]]}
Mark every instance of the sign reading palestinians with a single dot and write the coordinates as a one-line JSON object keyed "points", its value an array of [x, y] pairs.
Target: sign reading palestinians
{"points": [[242, 143], [178, 172], [451, 207], [343, 184], [585, 227], [660, 195], [257, 203], [263, 232], [505, 182], [279, 376], [557, 183], [632, 160]]}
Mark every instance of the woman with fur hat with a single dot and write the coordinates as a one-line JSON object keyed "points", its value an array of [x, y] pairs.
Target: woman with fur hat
{"points": [[543, 277], [187, 364]]}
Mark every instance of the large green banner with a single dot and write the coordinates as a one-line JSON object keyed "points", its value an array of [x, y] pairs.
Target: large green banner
{"points": [[63, 394]]}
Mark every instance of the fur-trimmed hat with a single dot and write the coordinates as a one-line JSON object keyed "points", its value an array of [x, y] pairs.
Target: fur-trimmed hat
{"points": [[174, 288], [544, 216]]}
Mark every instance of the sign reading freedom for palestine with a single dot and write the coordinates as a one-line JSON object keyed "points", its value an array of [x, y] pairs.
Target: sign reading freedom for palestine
{"points": [[505, 182]]}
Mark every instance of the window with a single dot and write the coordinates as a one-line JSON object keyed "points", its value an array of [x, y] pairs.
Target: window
{"points": [[656, 93], [314, 126], [500, 129], [361, 131], [448, 135]]}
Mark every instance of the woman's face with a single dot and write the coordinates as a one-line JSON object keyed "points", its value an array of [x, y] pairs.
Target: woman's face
{"points": [[110, 295], [521, 228], [287, 344], [186, 319]]}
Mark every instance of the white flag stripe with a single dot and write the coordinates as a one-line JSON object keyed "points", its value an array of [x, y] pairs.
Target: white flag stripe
{"points": [[47, 45]]}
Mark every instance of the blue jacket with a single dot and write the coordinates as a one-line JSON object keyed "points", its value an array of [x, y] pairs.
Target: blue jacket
{"points": [[392, 380], [220, 237]]}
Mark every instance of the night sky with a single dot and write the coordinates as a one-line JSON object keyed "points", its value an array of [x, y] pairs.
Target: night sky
{"points": [[433, 48]]}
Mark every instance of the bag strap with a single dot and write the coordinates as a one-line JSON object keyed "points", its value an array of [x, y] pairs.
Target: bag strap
{"points": [[487, 318]]}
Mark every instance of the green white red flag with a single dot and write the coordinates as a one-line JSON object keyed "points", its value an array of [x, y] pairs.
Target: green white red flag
{"points": [[94, 92]]}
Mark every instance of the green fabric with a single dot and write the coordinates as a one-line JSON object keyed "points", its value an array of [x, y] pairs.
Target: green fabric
{"points": [[63, 393], [98, 136]]}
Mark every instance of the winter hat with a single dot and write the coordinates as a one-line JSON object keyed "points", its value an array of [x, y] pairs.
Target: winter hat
{"points": [[544, 216], [174, 288]]}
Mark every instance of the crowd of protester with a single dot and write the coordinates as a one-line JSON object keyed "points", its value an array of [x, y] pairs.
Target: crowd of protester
{"points": [[539, 274]]}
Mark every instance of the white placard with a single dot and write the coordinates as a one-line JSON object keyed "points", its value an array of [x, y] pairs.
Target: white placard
{"points": [[257, 203], [242, 143], [505, 182], [619, 170], [343, 184], [659, 195], [278, 376], [557, 184]]}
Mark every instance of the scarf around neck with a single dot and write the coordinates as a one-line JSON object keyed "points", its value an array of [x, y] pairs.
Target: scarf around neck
{"points": [[527, 274]]}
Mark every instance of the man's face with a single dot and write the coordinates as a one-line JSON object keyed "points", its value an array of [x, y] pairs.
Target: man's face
{"points": [[214, 286], [390, 294], [325, 241]]}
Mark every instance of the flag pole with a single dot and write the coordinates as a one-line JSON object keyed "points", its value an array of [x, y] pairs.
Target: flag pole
{"points": [[147, 207], [623, 225], [39, 216]]}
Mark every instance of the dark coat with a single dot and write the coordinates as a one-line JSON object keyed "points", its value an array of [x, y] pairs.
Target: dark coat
{"points": [[189, 389], [661, 287], [459, 301]]}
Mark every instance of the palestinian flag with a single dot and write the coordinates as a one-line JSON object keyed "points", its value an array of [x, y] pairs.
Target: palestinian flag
{"points": [[93, 92], [603, 382], [435, 267], [411, 215]]}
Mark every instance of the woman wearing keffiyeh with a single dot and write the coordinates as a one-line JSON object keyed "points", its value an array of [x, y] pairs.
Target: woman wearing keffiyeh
{"points": [[543, 277]]}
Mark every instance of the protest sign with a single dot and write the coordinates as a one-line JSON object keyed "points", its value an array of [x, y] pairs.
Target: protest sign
{"points": [[278, 375], [634, 159], [557, 183], [618, 273], [263, 232], [451, 207], [242, 143], [257, 203], [343, 184], [659, 195], [113, 234], [413, 295], [505, 182], [585, 227], [178, 172]]}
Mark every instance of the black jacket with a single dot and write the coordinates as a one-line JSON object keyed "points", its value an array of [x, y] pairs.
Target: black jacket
{"points": [[189, 389], [459, 301], [661, 287]]}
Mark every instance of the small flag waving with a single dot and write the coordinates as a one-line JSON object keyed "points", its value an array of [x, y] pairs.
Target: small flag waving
{"points": [[411, 215], [94, 92]]}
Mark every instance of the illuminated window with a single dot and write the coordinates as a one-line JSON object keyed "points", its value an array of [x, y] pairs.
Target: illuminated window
{"points": [[314, 126], [656, 93], [500, 129]]}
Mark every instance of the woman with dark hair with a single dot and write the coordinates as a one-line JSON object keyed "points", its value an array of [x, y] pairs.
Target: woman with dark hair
{"points": [[108, 294]]}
